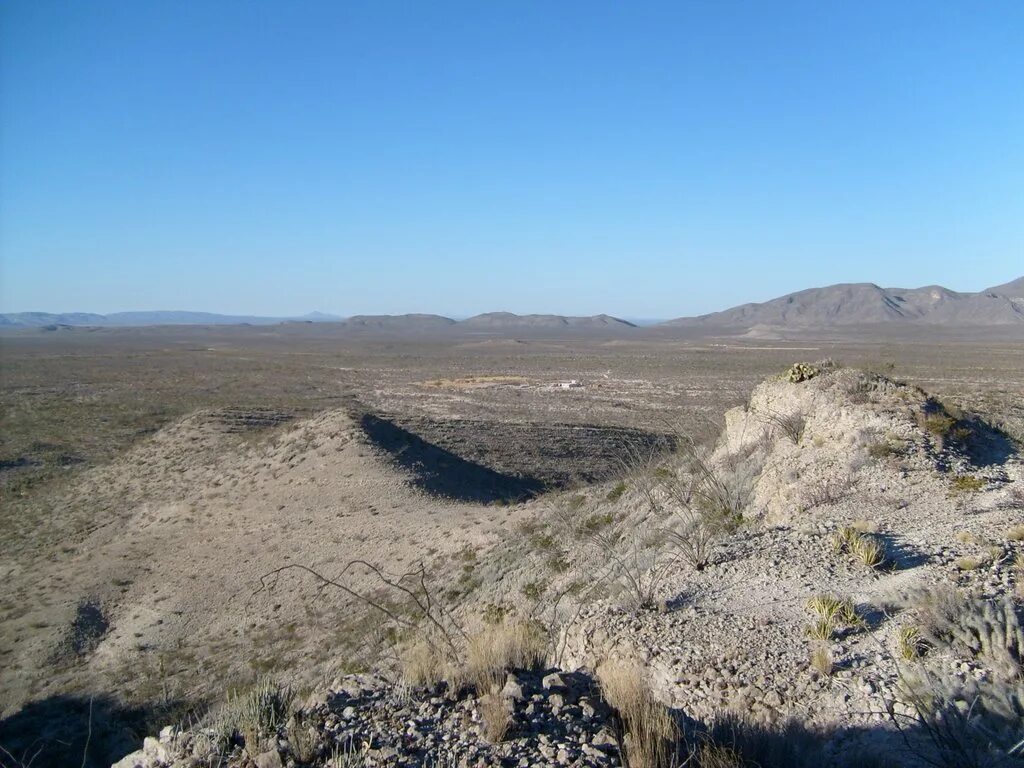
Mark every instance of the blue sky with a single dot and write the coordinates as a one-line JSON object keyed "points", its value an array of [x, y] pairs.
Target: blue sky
{"points": [[641, 159]]}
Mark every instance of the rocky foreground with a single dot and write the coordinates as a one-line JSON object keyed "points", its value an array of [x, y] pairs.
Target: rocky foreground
{"points": [[553, 718]]}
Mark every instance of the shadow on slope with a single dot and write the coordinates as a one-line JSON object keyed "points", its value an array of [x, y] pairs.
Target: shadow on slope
{"points": [[68, 730], [987, 445], [443, 473]]}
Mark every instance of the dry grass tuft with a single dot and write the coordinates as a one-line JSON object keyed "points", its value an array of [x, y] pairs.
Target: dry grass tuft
{"points": [[496, 717], [909, 643], [841, 611], [971, 562], [866, 547], [651, 733], [1016, 533], [423, 664], [512, 644], [824, 629], [965, 537], [821, 660]]}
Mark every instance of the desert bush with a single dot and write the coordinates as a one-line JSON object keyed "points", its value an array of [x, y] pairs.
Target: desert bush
{"points": [[697, 501], [1015, 499], [302, 742], [650, 734], [934, 420], [631, 555], [597, 521], [533, 590], [966, 484], [883, 449], [790, 424], [827, 490]]}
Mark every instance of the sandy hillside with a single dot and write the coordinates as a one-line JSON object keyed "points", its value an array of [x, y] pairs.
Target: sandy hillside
{"points": [[194, 516]]}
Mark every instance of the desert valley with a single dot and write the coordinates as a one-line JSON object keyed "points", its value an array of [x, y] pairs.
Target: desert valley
{"points": [[787, 534]]}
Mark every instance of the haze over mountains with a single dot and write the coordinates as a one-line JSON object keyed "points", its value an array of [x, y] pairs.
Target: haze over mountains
{"points": [[835, 307]]}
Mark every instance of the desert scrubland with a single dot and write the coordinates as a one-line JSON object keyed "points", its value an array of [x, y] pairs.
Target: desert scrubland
{"points": [[574, 547]]}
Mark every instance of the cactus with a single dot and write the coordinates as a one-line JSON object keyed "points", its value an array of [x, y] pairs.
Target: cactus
{"points": [[987, 629], [802, 372]]}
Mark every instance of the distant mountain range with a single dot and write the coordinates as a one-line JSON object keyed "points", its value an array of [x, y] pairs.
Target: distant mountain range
{"points": [[160, 317], [833, 308], [864, 304]]}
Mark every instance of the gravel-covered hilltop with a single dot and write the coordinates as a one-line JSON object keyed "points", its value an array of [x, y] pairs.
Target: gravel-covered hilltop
{"points": [[837, 581]]}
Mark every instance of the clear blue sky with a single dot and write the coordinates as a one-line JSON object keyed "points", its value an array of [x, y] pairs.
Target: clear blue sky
{"points": [[642, 159]]}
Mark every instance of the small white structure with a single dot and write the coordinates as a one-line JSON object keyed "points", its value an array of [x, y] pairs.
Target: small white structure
{"points": [[570, 384]]}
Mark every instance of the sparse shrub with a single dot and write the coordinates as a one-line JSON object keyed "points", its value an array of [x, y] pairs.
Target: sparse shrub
{"points": [[576, 502], [868, 549], [909, 643], [301, 742], [865, 547], [255, 714], [883, 449], [937, 424], [542, 541], [790, 424], [616, 493], [826, 490], [966, 484], [557, 563], [494, 613], [1015, 499], [650, 732], [966, 537]]}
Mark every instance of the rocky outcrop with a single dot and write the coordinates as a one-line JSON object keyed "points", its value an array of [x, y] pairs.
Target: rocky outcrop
{"points": [[549, 718]]}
